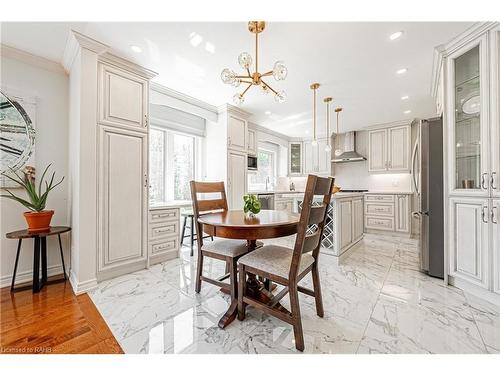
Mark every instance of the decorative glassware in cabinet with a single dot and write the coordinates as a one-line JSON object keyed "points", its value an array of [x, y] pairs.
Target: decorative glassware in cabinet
{"points": [[467, 121]]}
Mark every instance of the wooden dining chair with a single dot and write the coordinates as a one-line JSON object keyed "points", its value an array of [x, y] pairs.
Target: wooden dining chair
{"points": [[287, 266], [223, 249]]}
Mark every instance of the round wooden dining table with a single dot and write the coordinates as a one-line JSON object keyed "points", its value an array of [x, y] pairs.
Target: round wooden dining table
{"points": [[235, 224]]}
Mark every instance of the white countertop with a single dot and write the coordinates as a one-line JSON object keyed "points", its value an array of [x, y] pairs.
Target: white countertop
{"points": [[388, 192], [258, 192], [170, 204]]}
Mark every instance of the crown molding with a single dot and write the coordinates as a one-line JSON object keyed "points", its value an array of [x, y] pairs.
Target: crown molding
{"points": [[443, 50], [228, 108], [183, 97], [28, 58], [388, 124], [263, 129], [76, 41], [119, 62]]}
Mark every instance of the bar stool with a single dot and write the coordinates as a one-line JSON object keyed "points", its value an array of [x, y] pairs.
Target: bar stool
{"points": [[188, 214]]}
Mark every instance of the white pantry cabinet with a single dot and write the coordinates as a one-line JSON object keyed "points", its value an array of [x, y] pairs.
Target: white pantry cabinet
{"points": [[237, 133], [236, 179], [470, 82], [123, 198], [389, 149], [123, 98]]}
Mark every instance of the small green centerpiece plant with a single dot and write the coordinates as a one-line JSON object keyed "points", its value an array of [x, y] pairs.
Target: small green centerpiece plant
{"points": [[252, 205]]}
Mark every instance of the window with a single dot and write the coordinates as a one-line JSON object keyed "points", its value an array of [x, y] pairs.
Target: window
{"points": [[267, 170], [172, 164]]}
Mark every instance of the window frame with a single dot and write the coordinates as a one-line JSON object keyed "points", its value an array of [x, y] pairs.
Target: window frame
{"points": [[168, 193]]}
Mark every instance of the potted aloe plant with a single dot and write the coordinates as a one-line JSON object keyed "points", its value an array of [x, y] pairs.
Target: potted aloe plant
{"points": [[251, 206], [37, 217]]}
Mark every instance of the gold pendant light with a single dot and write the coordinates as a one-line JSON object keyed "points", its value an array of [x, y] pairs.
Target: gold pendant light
{"points": [[328, 100], [279, 71], [338, 151], [314, 87]]}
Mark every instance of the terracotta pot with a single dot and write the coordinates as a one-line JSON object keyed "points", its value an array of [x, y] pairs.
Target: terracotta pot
{"points": [[38, 221]]}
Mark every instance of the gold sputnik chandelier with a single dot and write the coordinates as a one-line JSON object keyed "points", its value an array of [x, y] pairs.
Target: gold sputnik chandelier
{"points": [[279, 71]]}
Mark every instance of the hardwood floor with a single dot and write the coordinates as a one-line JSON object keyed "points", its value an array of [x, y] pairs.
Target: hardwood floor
{"points": [[53, 321]]}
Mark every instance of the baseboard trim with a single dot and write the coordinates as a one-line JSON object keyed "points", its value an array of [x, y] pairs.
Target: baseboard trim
{"points": [[475, 290], [82, 287], [27, 276]]}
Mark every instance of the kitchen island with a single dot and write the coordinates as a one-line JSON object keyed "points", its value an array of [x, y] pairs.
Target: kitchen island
{"points": [[344, 223]]}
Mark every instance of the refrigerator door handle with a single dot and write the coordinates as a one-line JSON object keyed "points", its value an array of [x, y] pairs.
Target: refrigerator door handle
{"points": [[413, 158]]}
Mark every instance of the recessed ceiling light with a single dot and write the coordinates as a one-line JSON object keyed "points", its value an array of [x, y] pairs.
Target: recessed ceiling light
{"points": [[267, 112], [401, 71], [407, 112], [136, 49], [209, 47], [195, 39], [405, 97], [395, 35]]}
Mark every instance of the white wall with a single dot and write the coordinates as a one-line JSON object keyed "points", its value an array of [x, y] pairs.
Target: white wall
{"points": [[50, 88]]}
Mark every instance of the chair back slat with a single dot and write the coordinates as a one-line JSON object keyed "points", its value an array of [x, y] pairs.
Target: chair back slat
{"points": [[323, 186], [202, 206], [311, 218], [311, 242], [317, 214], [211, 205]]}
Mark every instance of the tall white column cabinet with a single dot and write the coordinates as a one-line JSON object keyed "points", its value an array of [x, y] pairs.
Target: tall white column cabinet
{"points": [[466, 80], [122, 181]]}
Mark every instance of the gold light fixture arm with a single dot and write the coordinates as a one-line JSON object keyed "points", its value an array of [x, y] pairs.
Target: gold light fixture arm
{"points": [[269, 87], [245, 91], [267, 73]]}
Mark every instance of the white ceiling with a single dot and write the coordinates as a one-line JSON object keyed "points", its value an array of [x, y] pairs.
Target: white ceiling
{"points": [[354, 62]]}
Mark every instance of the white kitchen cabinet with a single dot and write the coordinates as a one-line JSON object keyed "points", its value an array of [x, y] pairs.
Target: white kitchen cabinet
{"points": [[316, 159], [399, 149], [403, 218], [295, 158], [469, 240], [495, 229], [123, 200], [123, 98], [309, 163], [236, 179], [389, 149], [163, 239], [377, 145], [357, 218], [388, 212], [283, 204], [237, 133], [252, 142]]}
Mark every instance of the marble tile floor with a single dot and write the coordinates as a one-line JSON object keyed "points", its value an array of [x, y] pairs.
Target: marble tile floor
{"points": [[376, 301]]}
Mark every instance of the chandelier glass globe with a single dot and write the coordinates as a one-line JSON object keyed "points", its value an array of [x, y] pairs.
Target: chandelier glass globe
{"points": [[238, 99], [236, 82], [245, 60], [280, 71], [265, 90], [227, 76], [280, 96]]}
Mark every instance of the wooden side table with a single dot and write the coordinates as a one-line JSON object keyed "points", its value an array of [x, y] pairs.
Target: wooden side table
{"points": [[39, 251]]}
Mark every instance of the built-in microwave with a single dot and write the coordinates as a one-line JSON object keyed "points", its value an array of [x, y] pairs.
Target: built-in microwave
{"points": [[252, 163]]}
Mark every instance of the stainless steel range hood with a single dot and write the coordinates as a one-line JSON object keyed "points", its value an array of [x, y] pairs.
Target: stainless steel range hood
{"points": [[349, 155]]}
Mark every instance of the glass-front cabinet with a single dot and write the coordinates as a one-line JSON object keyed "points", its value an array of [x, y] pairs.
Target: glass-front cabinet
{"points": [[468, 119], [295, 159]]}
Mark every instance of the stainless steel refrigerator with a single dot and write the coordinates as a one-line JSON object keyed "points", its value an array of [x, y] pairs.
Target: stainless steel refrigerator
{"points": [[427, 177]]}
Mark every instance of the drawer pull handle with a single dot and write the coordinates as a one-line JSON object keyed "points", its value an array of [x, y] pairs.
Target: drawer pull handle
{"points": [[169, 229]]}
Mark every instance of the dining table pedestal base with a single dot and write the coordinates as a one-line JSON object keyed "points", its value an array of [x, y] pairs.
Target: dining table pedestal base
{"points": [[255, 289]]}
